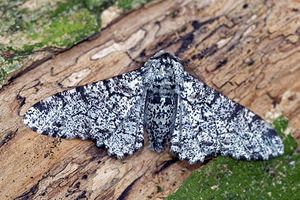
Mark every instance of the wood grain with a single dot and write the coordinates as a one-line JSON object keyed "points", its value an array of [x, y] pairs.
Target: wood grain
{"points": [[248, 50]]}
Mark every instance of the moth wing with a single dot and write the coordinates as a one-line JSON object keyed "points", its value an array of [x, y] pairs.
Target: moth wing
{"points": [[109, 112], [208, 124]]}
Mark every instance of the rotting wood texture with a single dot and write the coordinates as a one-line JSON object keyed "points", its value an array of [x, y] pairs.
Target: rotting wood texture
{"points": [[249, 51]]}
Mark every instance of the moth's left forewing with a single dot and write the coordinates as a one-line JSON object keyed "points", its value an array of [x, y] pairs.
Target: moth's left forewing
{"points": [[109, 112], [208, 123]]}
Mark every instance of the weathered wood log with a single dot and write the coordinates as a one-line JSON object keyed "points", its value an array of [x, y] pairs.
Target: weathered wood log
{"points": [[248, 51]]}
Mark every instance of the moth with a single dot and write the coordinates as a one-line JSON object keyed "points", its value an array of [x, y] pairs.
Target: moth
{"points": [[168, 103]]}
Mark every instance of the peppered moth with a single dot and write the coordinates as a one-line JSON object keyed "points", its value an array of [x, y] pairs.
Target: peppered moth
{"points": [[167, 102]]}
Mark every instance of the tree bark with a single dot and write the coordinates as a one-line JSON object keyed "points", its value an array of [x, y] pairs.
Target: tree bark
{"points": [[248, 51]]}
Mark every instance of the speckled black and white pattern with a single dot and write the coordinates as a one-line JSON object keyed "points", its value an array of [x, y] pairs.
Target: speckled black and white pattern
{"points": [[110, 112], [165, 100]]}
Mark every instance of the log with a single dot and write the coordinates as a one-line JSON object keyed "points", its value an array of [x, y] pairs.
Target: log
{"points": [[248, 51]]}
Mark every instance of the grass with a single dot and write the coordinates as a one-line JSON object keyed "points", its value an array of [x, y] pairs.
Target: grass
{"points": [[226, 178]]}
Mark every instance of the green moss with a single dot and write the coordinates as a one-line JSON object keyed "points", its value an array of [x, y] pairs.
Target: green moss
{"points": [[7, 66], [3, 74], [66, 31], [70, 23], [98, 4], [290, 144], [127, 5], [29, 31], [158, 189], [226, 178], [174, 13], [59, 24]]}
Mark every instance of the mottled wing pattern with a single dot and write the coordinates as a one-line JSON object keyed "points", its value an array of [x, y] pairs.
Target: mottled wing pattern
{"points": [[208, 124], [110, 112]]}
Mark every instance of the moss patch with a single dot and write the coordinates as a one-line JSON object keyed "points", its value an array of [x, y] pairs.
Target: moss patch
{"points": [[65, 31], [26, 27], [127, 5], [226, 178]]}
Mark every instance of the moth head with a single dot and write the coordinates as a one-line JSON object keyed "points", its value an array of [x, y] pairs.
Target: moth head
{"points": [[162, 70], [163, 53]]}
